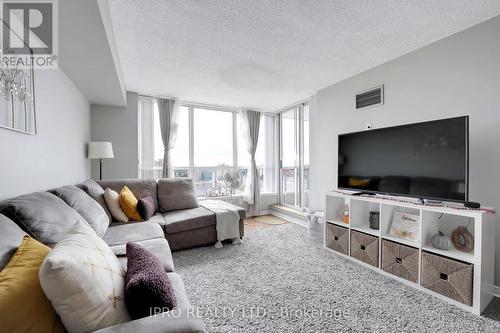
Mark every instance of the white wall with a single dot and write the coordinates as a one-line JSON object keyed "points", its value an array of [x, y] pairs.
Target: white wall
{"points": [[118, 125], [459, 75], [57, 155]]}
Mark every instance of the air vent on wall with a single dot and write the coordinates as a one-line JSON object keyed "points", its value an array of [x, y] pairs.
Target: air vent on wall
{"points": [[370, 97]]}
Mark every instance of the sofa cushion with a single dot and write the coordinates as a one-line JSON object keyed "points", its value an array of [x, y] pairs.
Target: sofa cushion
{"points": [[158, 246], [140, 187], [158, 219], [180, 290], [87, 207], [23, 304], [84, 281], [10, 238], [122, 233], [43, 215], [176, 194], [188, 219], [96, 192], [179, 320], [147, 285]]}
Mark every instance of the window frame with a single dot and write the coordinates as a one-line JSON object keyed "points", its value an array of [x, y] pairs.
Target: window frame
{"points": [[191, 168], [299, 153]]}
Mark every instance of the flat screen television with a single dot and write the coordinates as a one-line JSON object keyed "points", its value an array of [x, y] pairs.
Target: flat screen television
{"points": [[427, 160]]}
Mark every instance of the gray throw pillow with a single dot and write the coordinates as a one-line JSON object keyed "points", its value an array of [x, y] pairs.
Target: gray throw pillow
{"points": [[87, 207]]}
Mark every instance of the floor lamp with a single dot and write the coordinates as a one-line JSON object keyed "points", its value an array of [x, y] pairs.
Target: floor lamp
{"points": [[100, 150]]}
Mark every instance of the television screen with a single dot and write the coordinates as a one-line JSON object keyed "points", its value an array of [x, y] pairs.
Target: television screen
{"points": [[426, 160]]}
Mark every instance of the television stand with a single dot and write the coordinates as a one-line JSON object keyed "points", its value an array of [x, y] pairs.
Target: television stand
{"points": [[358, 194], [415, 261]]}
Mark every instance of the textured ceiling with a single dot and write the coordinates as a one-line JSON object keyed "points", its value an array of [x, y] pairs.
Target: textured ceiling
{"points": [[270, 53]]}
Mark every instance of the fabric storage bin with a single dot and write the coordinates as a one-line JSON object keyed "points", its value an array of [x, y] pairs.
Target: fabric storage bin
{"points": [[400, 260], [337, 238], [364, 247], [447, 277]]}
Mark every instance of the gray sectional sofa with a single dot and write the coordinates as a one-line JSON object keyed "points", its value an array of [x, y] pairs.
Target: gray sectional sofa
{"points": [[180, 223]]}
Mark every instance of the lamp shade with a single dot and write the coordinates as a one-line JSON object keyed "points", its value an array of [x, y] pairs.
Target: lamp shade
{"points": [[99, 149]]}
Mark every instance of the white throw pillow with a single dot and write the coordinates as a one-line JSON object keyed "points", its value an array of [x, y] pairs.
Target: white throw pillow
{"points": [[84, 281], [112, 199]]}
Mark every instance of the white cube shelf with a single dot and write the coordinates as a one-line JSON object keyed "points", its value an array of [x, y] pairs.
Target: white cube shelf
{"points": [[432, 219]]}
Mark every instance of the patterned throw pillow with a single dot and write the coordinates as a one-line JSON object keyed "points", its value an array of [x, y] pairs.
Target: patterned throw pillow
{"points": [[128, 203], [84, 281], [112, 199]]}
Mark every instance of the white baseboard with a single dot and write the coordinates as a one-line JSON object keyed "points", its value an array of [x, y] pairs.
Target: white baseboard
{"points": [[496, 291], [300, 222]]}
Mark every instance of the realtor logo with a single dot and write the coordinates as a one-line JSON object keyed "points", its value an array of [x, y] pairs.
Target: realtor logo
{"points": [[30, 28]]}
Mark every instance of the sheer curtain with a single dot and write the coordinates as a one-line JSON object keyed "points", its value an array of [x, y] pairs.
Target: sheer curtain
{"points": [[146, 135], [250, 123], [169, 123]]}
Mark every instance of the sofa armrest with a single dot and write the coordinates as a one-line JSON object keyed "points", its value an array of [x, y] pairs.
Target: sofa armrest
{"points": [[175, 321]]}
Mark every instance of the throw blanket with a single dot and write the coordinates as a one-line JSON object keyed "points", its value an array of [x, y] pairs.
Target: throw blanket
{"points": [[228, 220]]}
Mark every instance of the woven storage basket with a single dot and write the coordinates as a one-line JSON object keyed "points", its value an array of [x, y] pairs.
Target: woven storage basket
{"points": [[364, 247], [337, 238], [447, 277], [400, 260]]}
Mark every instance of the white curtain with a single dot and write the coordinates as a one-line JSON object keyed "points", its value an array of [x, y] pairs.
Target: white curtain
{"points": [[146, 134], [169, 123], [250, 123]]}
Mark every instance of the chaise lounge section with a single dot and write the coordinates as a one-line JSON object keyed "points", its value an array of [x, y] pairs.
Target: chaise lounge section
{"points": [[185, 224]]}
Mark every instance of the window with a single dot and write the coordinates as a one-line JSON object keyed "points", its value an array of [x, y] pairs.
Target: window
{"points": [[208, 143], [294, 145], [264, 155], [213, 138], [180, 152]]}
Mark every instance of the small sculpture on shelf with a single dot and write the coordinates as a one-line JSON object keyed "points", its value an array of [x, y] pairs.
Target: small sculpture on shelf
{"points": [[440, 241], [462, 239]]}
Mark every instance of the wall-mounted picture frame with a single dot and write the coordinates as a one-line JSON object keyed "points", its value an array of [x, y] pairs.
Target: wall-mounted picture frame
{"points": [[17, 90]]}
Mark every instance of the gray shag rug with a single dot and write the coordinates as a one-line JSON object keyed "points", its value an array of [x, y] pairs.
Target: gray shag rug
{"points": [[280, 281]]}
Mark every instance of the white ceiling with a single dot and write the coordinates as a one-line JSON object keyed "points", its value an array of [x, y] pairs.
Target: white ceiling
{"points": [[270, 53]]}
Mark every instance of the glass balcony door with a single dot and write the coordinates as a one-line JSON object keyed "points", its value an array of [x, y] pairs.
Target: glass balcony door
{"points": [[289, 171], [294, 157]]}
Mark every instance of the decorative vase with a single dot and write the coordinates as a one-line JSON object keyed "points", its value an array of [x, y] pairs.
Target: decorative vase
{"points": [[374, 220], [462, 239], [440, 241], [344, 213], [345, 218]]}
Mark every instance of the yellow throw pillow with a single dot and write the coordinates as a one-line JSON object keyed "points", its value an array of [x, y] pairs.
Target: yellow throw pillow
{"points": [[23, 304], [128, 203]]}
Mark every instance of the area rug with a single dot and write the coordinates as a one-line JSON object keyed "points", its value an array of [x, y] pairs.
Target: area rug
{"points": [[269, 219], [280, 281]]}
